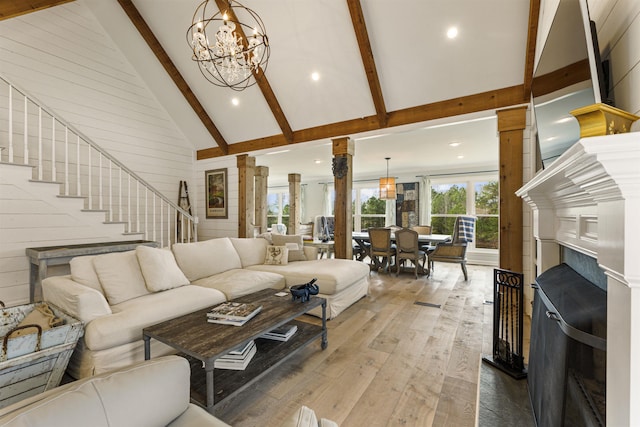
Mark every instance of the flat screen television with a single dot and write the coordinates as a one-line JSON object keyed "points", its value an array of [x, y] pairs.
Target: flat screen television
{"points": [[569, 75]]}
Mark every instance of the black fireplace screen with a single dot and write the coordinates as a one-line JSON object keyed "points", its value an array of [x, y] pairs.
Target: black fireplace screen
{"points": [[567, 358]]}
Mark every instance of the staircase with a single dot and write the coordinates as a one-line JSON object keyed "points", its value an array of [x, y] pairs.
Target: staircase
{"points": [[54, 153]]}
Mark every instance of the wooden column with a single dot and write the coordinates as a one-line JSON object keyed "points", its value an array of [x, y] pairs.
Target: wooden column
{"points": [[295, 204], [246, 211], [261, 183], [511, 125], [343, 150]]}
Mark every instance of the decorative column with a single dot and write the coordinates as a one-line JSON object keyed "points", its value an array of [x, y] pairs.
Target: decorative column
{"points": [[246, 211], [343, 150], [295, 204], [261, 183], [511, 125]]}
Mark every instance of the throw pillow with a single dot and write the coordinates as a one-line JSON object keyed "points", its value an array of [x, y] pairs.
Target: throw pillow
{"points": [[83, 272], [276, 255], [295, 254], [305, 417], [159, 269], [206, 258], [120, 276]]}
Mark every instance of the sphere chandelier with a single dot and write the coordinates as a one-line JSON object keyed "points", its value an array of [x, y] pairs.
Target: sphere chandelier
{"points": [[229, 51]]}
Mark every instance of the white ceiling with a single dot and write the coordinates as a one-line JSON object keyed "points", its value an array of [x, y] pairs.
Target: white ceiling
{"points": [[416, 65]]}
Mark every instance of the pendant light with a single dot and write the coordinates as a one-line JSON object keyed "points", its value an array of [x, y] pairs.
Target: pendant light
{"points": [[387, 185]]}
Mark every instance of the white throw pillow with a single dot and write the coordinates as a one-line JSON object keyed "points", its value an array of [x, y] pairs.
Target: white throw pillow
{"points": [[120, 276], [277, 255], [83, 272], [251, 251], [206, 258], [295, 254], [159, 268]]}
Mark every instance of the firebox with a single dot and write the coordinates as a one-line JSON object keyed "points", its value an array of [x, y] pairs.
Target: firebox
{"points": [[567, 357]]}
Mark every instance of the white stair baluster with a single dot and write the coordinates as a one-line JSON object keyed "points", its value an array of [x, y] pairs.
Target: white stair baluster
{"points": [[10, 158], [40, 143], [78, 184], [110, 207], [66, 161], [100, 172], [53, 149], [26, 130], [129, 203], [90, 179]]}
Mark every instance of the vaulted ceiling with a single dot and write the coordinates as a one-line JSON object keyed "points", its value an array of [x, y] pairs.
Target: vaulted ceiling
{"points": [[387, 68]]}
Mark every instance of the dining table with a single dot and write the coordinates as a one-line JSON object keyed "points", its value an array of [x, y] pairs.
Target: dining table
{"points": [[362, 243]]}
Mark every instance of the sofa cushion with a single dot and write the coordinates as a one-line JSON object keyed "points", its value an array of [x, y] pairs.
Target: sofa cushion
{"points": [[120, 276], [83, 272], [159, 269], [128, 318], [333, 274], [276, 255], [251, 251], [203, 259], [296, 253], [239, 282]]}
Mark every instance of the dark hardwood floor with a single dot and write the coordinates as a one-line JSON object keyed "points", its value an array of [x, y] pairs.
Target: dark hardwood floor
{"points": [[409, 354]]}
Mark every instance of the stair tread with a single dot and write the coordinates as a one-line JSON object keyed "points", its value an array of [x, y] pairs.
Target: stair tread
{"points": [[44, 181], [62, 196]]}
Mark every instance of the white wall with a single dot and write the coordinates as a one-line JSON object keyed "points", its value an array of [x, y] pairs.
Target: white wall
{"points": [[62, 57], [618, 27]]}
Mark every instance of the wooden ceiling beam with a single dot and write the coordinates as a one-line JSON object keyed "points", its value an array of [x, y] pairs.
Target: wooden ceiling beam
{"points": [[155, 46], [499, 98], [13, 8], [261, 79], [532, 35], [360, 29]]}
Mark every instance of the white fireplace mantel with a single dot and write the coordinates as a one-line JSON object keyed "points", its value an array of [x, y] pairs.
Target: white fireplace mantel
{"points": [[589, 200]]}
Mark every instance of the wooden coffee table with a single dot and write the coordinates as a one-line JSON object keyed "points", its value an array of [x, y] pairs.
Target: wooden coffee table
{"points": [[202, 343]]}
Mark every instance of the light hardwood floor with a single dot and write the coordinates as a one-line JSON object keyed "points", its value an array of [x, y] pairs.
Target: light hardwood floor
{"points": [[390, 361]]}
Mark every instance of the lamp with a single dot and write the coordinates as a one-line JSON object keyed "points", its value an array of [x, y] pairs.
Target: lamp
{"points": [[387, 185], [228, 58]]}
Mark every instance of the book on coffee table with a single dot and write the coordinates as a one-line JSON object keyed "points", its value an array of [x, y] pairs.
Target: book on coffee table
{"points": [[281, 333], [237, 359], [233, 313]]}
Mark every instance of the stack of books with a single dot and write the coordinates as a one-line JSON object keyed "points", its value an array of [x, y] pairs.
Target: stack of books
{"points": [[281, 333], [233, 313], [237, 359]]}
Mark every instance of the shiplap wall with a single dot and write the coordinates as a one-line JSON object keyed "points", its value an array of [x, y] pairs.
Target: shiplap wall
{"points": [[62, 57], [618, 27]]}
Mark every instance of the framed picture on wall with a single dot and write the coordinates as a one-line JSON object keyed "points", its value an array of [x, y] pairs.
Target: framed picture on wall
{"points": [[215, 184]]}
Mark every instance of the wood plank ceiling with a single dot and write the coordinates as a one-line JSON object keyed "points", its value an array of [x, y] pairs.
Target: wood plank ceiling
{"points": [[492, 99]]}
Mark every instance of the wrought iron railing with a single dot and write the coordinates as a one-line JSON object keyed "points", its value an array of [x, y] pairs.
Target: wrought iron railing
{"points": [[30, 134]]}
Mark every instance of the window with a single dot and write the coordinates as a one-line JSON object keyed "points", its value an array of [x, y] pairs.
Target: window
{"points": [[278, 207], [479, 198], [370, 211], [447, 202], [486, 204]]}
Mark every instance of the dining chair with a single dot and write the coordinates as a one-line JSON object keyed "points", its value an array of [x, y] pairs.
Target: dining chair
{"points": [[424, 229], [408, 248], [456, 249], [381, 251]]}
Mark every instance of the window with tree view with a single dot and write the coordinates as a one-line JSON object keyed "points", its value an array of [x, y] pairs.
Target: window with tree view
{"points": [[370, 210], [278, 208], [479, 198]]}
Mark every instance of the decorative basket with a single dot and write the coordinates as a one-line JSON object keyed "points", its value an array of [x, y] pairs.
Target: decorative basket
{"points": [[33, 363]]}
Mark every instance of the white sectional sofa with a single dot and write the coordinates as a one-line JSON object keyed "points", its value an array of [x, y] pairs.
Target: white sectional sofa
{"points": [[151, 393], [116, 295]]}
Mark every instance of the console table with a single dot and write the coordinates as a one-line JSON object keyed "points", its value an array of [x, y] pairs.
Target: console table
{"points": [[41, 258]]}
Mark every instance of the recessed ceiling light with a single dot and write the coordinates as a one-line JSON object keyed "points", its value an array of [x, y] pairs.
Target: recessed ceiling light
{"points": [[317, 161], [454, 144], [315, 76], [235, 101], [452, 32], [461, 156]]}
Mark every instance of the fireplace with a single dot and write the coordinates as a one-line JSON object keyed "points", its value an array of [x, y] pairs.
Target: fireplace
{"points": [[567, 357], [588, 201]]}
